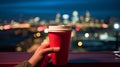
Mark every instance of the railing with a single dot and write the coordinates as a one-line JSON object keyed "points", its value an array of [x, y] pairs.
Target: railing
{"points": [[86, 59]]}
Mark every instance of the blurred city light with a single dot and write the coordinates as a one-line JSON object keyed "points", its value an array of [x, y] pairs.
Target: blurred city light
{"points": [[80, 43], [18, 49], [96, 35], [87, 35], [104, 25], [104, 36], [1, 27], [65, 16], [41, 28], [23, 25], [46, 30], [6, 27], [116, 26], [77, 28], [36, 19], [36, 35]]}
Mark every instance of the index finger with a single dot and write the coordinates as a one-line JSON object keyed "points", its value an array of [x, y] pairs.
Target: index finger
{"points": [[51, 50]]}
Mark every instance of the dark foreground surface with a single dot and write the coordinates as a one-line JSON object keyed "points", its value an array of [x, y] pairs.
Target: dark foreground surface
{"points": [[86, 59]]}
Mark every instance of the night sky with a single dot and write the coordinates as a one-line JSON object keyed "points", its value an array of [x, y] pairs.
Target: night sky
{"points": [[47, 9]]}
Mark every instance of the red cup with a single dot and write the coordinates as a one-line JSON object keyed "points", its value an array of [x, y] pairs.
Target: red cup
{"points": [[60, 36]]}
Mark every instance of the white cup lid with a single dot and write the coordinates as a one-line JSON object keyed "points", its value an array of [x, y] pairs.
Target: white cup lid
{"points": [[59, 28]]}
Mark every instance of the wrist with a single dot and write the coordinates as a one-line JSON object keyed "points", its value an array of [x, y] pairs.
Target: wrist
{"points": [[32, 62]]}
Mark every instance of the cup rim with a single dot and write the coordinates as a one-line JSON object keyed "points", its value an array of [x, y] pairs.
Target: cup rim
{"points": [[59, 28]]}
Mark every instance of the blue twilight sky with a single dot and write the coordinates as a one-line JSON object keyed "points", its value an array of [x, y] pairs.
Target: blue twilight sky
{"points": [[47, 9]]}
